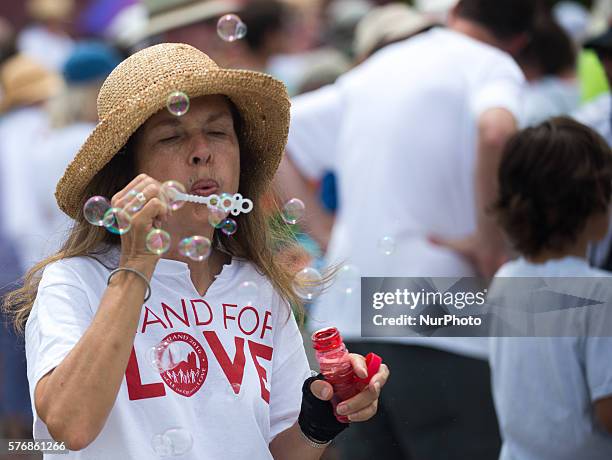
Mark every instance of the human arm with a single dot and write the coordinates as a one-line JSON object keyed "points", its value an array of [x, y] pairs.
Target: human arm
{"points": [[95, 365], [291, 183]]}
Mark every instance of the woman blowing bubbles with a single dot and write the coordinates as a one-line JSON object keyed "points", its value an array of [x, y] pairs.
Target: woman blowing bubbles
{"points": [[241, 388]]}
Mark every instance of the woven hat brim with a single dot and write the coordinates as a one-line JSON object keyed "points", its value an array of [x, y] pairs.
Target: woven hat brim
{"points": [[261, 100]]}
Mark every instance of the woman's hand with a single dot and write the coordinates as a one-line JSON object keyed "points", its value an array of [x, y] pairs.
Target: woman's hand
{"points": [[360, 407], [143, 192]]}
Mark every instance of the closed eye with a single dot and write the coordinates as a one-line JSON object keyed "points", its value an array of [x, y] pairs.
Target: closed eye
{"points": [[169, 139]]}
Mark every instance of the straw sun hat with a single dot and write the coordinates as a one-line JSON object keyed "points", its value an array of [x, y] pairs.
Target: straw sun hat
{"points": [[139, 87]]}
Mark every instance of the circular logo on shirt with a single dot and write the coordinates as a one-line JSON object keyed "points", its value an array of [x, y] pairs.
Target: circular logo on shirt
{"points": [[186, 364]]}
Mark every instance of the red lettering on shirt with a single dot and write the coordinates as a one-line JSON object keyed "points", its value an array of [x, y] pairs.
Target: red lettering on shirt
{"points": [[265, 327], [248, 308], [259, 350], [233, 370], [146, 321], [225, 315], [195, 312], [136, 389], [182, 319]]}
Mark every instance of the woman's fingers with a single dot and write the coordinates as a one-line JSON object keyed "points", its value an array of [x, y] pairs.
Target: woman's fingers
{"points": [[154, 209], [359, 403], [322, 390], [135, 184], [359, 365], [364, 414]]}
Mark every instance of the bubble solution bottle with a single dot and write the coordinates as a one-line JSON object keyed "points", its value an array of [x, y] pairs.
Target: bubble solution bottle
{"points": [[336, 367]]}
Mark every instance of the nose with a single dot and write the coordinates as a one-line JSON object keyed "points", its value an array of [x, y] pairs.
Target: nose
{"points": [[200, 154]]}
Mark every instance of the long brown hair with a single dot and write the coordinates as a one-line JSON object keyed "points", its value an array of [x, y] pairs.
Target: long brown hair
{"points": [[257, 240]]}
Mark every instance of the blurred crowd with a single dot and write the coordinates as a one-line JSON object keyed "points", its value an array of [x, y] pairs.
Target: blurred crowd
{"points": [[52, 69]]}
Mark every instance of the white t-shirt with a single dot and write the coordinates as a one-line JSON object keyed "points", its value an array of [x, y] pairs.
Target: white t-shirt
{"points": [[400, 132], [549, 97], [21, 132], [239, 380], [544, 388], [53, 155], [597, 115]]}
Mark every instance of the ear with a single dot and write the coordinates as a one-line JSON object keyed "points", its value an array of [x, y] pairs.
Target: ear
{"points": [[516, 44], [453, 13]]}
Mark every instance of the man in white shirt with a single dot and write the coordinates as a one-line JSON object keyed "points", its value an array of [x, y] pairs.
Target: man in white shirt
{"points": [[414, 135]]}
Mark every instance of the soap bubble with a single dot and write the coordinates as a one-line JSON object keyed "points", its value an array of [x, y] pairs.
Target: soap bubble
{"points": [[386, 245], [216, 216], [117, 221], [158, 241], [169, 193], [248, 292], [94, 210], [161, 445], [164, 356], [308, 283], [348, 279], [134, 201], [177, 103], [229, 226], [195, 247], [226, 202], [175, 441], [180, 439], [293, 210], [231, 28]]}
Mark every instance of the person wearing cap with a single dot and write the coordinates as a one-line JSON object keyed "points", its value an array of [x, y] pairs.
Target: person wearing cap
{"points": [[128, 349], [414, 135], [47, 39], [187, 21], [386, 25]]}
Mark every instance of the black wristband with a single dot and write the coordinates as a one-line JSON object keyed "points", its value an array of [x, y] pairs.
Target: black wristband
{"points": [[317, 419]]}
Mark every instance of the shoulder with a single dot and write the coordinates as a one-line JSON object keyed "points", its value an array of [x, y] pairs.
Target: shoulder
{"points": [[76, 270]]}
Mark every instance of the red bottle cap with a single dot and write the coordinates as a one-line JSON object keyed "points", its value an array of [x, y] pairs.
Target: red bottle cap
{"points": [[373, 362]]}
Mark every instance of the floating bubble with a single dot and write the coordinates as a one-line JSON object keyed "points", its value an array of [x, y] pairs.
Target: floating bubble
{"points": [[226, 202], [175, 441], [293, 211], [135, 201], [161, 446], [216, 216], [181, 440], [94, 210], [164, 356], [231, 28], [195, 247], [386, 245], [169, 194], [348, 278], [229, 226], [117, 221], [158, 241], [248, 292], [308, 283], [177, 103]]}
